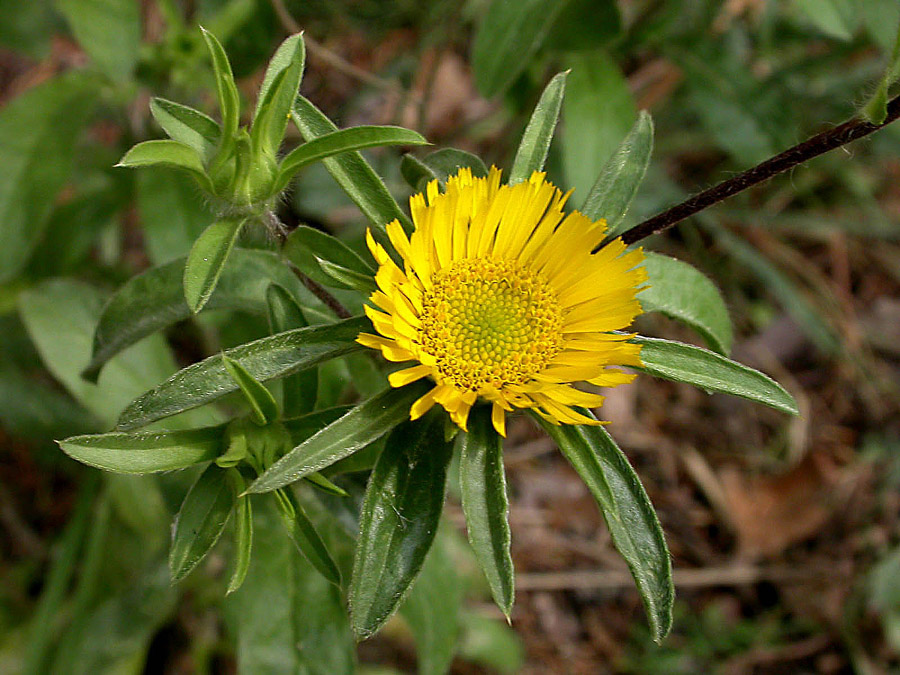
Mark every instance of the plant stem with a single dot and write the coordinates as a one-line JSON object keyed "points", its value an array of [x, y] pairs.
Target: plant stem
{"points": [[319, 291], [819, 144]]}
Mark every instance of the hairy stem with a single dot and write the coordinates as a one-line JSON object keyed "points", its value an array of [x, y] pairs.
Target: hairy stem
{"points": [[819, 144]]}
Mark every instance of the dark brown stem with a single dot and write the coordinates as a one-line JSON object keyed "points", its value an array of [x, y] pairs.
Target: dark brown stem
{"points": [[280, 231], [819, 144], [319, 291]]}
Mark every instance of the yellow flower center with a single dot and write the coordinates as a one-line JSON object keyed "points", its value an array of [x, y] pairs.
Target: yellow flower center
{"points": [[490, 323]]}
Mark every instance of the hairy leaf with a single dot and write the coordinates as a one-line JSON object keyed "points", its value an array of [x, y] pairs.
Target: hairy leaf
{"points": [[535, 143], [265, 359], [358, 428], [629, 515], [399, 519], [713, 372]]}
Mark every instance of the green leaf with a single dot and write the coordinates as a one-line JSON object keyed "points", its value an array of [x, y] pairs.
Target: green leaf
{"points": [[273, 104], [319, 481], [188, 126], [598, 111], [303, 534], [61, 568], [535, 143], [167, 153], [298, 391], [60, 316], [829, 16], [352, 173], [585, 24], [308, 248], [38, 131], [243, 534], [710, 371], [172, 213], [682, 292], [341, 277], [483, 484], [344, 140], [108, 30], [226, 89], [263, 408], [286, 618], [439, 166], [621, 176], [875, 111], [629, 515], [265, 359], [207, 259], [491, 643], [398, 521], [154, 300], [506, 38], [145, 452], [200, 521], [361, 426], [881, 18], [432, 610]]}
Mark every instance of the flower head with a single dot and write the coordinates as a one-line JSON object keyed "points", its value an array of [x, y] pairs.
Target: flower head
{"points": [[501, 298]]}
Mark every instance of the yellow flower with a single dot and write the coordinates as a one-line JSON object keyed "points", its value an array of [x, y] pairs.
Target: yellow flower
{"points": [[501, 298]]}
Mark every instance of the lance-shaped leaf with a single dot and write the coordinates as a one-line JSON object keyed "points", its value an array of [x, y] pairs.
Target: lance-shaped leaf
{"points": [[226, 89], [621, 176], [341, 277], [146, 452], [167, 153], [506, 38], [38, 131], [398, 521], [629, 515], [277, 94], [713, 372], [535, 143], [186, 125], [483, 484], [300, 390], [598, 112], [200, 521], [352, 173], [303, 533], [361, 426], [207, 259], [265, 359], [308, 248], [243, 533], [154, 300], [263, 408], [344, 140], [682, 292], [439, 165], [109, 31]]}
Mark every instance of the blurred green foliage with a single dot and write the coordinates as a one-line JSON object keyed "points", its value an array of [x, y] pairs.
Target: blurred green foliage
{"points": [[726, 90]]}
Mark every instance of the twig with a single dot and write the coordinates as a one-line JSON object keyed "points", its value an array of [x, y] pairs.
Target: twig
{"points": [[326, 55], [847, 132], [280, 230], [319, 291]]}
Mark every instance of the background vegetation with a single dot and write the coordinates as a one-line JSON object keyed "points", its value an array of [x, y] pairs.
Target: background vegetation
{"points": [[785, 532]]}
